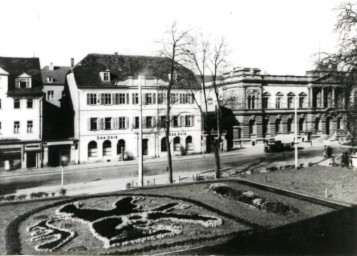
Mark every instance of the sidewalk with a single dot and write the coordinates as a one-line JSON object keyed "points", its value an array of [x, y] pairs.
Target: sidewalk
{"points": [[112, 185], [258, 149]]}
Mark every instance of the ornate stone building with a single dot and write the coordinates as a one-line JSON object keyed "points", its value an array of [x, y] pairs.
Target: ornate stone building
{"points": [[263, 105]]}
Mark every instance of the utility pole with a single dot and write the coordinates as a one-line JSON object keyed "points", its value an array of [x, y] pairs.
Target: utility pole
{"points": [[140, 171], [296, 132]]}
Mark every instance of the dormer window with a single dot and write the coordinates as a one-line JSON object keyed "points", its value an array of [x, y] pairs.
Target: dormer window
{"points": [[50, 79], [105, 76], [23, 81]]}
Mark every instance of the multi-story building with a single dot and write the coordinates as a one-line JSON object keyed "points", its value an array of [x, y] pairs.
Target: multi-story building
{"points": [[104, 94], [20, 113], [263, 105]]}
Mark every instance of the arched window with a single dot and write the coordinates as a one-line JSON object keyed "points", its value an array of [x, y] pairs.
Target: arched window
{"points": [[251, 127], [107, 148], [301, 124], [278, 125], [163, 145], [290, 124], [120, 147], [92, 149], [189, 145], [177, 145], [317, 124]]}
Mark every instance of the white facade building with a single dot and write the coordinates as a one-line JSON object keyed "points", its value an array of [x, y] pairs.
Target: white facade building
{"points": [[20, 113], [104, 94]]}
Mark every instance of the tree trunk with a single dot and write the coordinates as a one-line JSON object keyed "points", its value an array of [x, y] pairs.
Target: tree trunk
{"points": [[217, 159], [167, 131]]}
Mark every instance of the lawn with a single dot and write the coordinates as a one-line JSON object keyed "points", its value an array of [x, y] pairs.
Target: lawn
{"points": [[339, 183], [153, 220]]}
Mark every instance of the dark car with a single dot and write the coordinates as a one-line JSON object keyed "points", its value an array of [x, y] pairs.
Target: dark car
{"points": [[277, 146]]}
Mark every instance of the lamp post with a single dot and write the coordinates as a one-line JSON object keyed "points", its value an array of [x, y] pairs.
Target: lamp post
{"points": [[296, 131], [140, 170]]}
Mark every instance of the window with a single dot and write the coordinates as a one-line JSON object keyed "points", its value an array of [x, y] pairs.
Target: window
{"points": [[188, 121], [149, 99], [119, 98], [24, 83], [163, 145], [91, 99], [177, 144], [189, 145], [92, 149], [301, 102], [108, 123], [107, 148], [162, 123], [93, 124], [251, 102], [252, 130], [29, 126], [106, 76], [185, 98], [161, 98], [317, 124], [17, 127], [265, 102], [122, 122], [338, 123], [50, 95], [291, 102], [290, 125], [175, 121], [16, 103], [50, 79], [174, 97], [278, 125], [135, 98], [29, 103], [106, 99], [301, 124], [149, 122], [278, 103], [136, 122]]}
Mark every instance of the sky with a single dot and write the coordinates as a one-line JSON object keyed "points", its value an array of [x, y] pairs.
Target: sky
{"points": [[277, 36]]}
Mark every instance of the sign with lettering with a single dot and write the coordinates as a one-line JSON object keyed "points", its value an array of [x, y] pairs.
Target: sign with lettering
{"points": [[177, 134], [107, 137]]}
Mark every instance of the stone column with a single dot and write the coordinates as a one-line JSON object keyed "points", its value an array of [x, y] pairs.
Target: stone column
{"points": [[322, 97], [45, 156]]}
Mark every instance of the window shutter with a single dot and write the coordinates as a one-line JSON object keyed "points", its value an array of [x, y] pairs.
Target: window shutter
{"points": [[192, 120], [126, 122], [113, 123], [144, 99], [182, 121], [101, 123], [143, 122], [88, 124]]}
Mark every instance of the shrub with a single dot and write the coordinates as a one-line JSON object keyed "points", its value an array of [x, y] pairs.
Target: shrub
{"points": [[62, 191], [38, 195], [310, 164], [21, 197], [9, 198]]}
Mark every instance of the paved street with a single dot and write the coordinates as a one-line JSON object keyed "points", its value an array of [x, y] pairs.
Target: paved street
{"points": [[238, 161]]}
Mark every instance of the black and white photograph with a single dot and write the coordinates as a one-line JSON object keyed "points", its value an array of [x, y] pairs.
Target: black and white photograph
{"points": [[178, 127]]}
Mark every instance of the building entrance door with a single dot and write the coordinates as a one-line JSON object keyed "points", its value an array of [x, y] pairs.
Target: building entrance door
{"points": [[145, 147], [31, 159]]}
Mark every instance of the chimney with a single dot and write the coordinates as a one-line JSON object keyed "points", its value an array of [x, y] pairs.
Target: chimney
{"points": [[116, 53], [72, 62], [51, 66]]}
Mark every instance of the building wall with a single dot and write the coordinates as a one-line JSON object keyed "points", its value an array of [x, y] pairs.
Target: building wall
{"points": [[57, 94]]}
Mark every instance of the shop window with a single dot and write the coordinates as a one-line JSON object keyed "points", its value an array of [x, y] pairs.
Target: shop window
{"points": [[92, 149], [177, 144], [189, 145], [107, 148]]}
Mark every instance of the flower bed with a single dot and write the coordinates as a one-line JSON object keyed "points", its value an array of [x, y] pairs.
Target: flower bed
{"points": [[251, 198], [126, 223]]}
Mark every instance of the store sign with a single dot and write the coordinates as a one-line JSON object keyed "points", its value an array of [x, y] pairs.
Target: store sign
{"points": [[30, 147], [177, 134], [107, 137]]}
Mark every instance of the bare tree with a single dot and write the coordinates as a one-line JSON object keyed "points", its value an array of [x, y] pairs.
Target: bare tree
{"points": [[173, 44], [342, 64], [208, 60]]}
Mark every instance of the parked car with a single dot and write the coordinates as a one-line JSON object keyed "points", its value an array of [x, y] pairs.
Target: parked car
{"points": [[277, 146]]}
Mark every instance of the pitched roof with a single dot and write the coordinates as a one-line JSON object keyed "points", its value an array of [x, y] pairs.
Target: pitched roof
{"points": [[86, 72], [58, 74], [18, 66]]}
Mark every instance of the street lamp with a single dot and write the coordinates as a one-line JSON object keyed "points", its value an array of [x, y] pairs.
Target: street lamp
{"points": [[140, 170]]}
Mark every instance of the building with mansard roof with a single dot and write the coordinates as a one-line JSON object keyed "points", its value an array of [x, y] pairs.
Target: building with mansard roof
{"points": [[263, 105], [103, 92], [21, 100]]}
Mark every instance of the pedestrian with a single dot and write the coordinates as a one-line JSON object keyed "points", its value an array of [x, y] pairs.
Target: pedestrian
{"points": [[325, 152]]}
